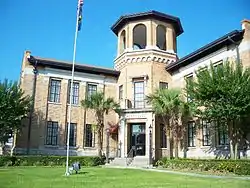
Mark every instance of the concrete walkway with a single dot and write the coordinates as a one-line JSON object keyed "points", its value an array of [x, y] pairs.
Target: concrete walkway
{"points": [[180, 173]]}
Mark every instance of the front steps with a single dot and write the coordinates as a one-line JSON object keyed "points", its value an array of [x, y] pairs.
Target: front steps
{"points": [[138, 161]]}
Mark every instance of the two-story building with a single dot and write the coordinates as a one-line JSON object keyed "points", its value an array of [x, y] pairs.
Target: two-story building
{"points": [[146, 59]]}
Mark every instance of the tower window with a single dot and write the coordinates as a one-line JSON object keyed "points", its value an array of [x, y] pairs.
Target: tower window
{"points": [[161, 37], [139, 37], [121, 92], [122, 41], [139, 94]]}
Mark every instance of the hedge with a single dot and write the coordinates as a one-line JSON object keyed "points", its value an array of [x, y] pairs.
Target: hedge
{"points": [[49, 160], [239, 167]]}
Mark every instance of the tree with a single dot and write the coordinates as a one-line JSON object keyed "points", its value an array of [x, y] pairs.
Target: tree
{"points": [[14, 107], [222, 95], [100, 106], [174, 111]]}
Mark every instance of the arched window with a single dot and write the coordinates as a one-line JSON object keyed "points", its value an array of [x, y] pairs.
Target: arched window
{"points": [[161, 37], [123, 41], [139, 37]]}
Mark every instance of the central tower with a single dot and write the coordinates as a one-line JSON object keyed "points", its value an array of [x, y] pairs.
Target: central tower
{"points": [[146, 45], [147, 36]]}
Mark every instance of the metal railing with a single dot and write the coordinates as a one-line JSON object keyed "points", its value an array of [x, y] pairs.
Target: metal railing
{"points": [[136, 104], [130, 157]]}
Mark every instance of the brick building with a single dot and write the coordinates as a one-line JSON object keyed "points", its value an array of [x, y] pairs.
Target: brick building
{"points": [[146, 60]]}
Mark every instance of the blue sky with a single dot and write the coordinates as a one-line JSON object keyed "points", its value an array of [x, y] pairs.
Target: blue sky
{"points": [[46, 27]]}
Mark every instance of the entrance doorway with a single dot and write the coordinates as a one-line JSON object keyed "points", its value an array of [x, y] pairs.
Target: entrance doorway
{"points": [[137, 138]]}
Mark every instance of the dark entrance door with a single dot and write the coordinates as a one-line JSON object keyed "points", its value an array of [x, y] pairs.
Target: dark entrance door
{"points": [[138, 139]]}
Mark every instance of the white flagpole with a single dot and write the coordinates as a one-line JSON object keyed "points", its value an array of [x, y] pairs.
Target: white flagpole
{"points": [[71, 88]]}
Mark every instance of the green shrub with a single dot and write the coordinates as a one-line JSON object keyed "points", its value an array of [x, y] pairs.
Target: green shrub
{"points": [[239, 167], [49, 160]]}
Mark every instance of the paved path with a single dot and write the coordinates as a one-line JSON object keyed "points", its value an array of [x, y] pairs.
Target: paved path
{"points": [[180, 173]]}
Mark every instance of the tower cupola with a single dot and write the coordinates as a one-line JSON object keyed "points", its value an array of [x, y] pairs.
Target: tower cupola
{"points": [[146, 32]]}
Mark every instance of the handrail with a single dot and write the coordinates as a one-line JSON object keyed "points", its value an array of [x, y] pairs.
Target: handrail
{"points": [[130, 157], [136, 104]]}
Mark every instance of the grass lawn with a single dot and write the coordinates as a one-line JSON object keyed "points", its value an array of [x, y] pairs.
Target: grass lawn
{"points": [[41, 177]]}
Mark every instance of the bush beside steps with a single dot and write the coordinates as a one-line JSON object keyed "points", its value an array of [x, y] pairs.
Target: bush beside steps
{"points": [[239, 167], [49, 160]]}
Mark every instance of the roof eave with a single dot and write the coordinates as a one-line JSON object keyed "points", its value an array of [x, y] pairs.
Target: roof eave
{"points": [[78, 68], [217, 44], [123, 19]]}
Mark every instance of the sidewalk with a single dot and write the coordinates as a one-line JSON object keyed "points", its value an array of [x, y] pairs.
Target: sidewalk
{"points": [[180, 173]]}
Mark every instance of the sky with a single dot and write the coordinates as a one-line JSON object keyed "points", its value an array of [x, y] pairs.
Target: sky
{"points": [[47, 27]]}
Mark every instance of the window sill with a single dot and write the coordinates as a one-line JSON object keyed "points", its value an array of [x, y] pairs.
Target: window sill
{"points": [[89, 148], [74, 105], [191, 147], [72, 147], [223, 146], [55, 103], [205, 147], [51, 146]]}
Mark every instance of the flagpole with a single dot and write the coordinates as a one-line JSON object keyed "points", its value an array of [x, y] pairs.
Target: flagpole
{"points": [[71, 88]]}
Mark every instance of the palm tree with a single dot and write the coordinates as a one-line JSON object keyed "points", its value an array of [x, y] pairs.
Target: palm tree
{"points": [[169, 104], [100, 106]]}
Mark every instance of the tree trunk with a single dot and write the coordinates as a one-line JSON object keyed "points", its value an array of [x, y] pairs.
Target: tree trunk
{"points": [[176, 151], [231, 149], [171, 154], [13, 144], [236, 151], [168, 142], [231, 143], [99, 142]]}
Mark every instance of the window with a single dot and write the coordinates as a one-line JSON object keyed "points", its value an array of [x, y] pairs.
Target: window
{"points": [[223, 137], [92, 88], [139, 94], [188, 79], [55, 88], [139, 37], [163, 85], [72, 134], [123, 41], [121, 92], [191, 134], [206, 133], [218, 65], [161, 37], [163, 138], [52, 133], [88, 136], [75, 93]]}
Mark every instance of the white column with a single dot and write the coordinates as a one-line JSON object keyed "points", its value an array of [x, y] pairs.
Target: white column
{"points": [[122, 137], [148, 123], [153, 135]]}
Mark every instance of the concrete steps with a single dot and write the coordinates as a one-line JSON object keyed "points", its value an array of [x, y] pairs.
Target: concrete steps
{"points": [[138, 161], [118, 162]]}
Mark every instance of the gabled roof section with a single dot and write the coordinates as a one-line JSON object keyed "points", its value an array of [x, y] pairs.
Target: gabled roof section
{"points": [[68, 66], [145, 15], [221, 42]]}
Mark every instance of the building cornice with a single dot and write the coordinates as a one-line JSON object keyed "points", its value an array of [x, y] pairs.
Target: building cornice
{"points": [[145, 55]]}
